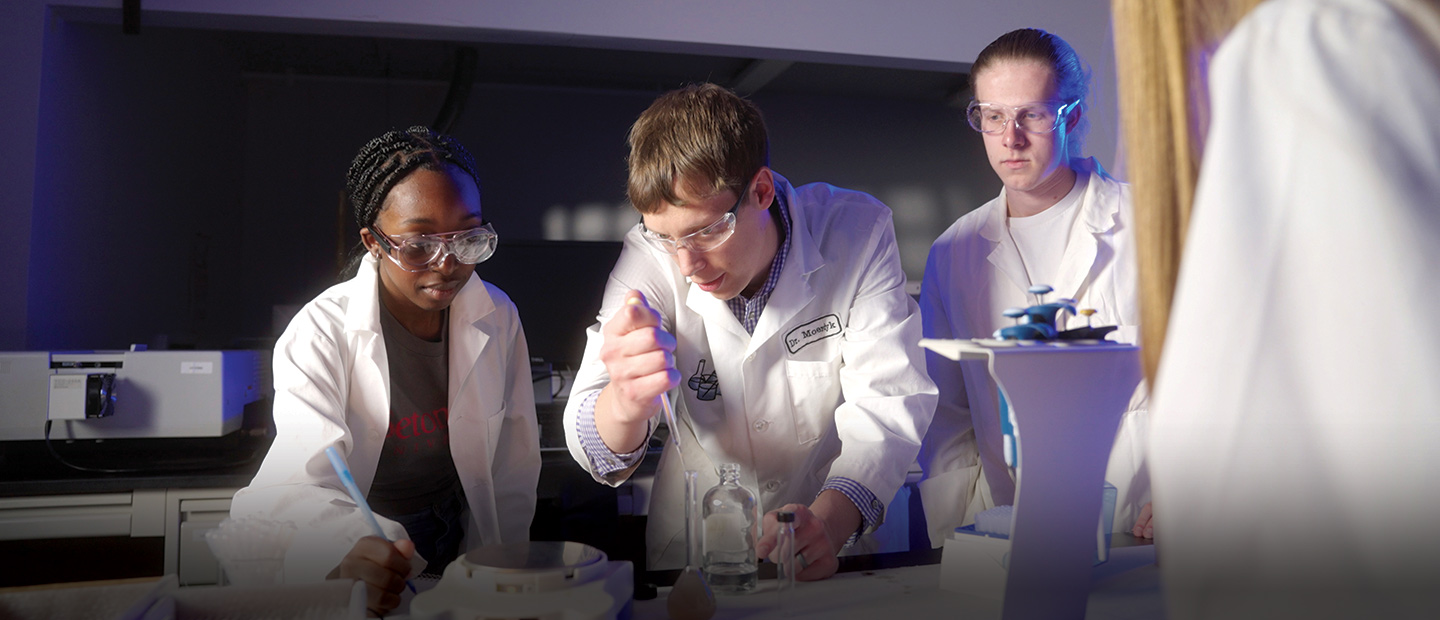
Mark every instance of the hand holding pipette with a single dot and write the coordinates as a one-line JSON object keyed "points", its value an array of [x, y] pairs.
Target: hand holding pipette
{"points": [[639, 356], [358, 563]]}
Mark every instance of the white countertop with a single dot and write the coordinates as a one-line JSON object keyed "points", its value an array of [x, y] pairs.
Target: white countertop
{"points": [[1126, 588]]}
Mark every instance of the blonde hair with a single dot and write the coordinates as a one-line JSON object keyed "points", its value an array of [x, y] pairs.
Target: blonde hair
{"points": [[704, 135], [1162, 49]]}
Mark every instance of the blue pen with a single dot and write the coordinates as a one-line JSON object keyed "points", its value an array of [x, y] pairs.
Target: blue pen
{"points": [[349, 481]]}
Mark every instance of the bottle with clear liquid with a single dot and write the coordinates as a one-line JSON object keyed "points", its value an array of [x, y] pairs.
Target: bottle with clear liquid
{"points": [[729, 514]]}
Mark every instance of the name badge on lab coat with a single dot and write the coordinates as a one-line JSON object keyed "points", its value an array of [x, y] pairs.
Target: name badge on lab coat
{"points": [[812, 332]]}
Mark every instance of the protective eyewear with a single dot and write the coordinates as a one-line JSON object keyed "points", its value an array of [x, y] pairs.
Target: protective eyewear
{"points": [[1038, 117], [420, 252], [703, 240]]}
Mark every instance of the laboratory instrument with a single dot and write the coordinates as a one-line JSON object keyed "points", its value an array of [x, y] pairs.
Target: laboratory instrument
{"points": [[127, 394], [536, 579], [729, 515], [1042, 322]]}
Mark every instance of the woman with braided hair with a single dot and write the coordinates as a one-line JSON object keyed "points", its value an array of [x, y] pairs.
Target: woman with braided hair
{"points": [[417, 372]]}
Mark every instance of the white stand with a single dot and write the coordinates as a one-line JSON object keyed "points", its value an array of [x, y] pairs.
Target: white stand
{"points": [[1066, 403]]}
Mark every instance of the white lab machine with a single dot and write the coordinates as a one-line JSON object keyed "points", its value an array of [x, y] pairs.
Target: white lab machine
{"points": [[127, 394], [551, 580], [1065, 401]]}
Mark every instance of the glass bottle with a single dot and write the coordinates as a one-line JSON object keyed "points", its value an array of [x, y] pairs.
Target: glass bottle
{"points": [[730, 517], [691, 598], [785, 550]]}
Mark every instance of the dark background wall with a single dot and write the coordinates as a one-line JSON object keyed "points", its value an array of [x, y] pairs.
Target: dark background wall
{"points": [[190, 182]]}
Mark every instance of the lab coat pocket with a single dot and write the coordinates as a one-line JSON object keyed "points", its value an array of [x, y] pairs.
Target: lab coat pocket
{"points": [[475, 433], [814, 394]]}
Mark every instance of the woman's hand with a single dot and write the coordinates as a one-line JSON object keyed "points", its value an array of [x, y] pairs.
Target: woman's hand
{"points": [[383, 566]]}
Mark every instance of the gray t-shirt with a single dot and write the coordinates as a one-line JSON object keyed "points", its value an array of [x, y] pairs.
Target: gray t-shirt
{"points": [[416, 468]]}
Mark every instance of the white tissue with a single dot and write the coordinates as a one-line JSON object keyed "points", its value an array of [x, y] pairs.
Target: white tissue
{"points": [[251, 550]]}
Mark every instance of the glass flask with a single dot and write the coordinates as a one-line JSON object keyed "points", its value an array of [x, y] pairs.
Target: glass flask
{"points": [[729, 513]]}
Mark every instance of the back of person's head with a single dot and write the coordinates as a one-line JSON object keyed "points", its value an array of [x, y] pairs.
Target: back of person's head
{"points": [[1163, 92], [704, 135], [1072, 76], [385, 161]]}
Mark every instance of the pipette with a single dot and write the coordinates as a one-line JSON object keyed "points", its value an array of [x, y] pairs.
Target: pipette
{"points": [[348, 480], [665, 407], [670, 420]]}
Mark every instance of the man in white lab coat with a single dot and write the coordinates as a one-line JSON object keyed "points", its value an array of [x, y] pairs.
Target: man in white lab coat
{"points": [[780, 315], [1058, 221]]}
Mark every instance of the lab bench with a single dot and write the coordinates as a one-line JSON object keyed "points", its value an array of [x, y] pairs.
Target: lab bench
{"points": [[146, 521], [91, 526], [80, 526], [908, 585]]}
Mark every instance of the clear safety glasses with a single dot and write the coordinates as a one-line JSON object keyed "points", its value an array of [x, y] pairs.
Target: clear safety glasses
{"points": [[1037, 117], [703, 240], [420, 252]]}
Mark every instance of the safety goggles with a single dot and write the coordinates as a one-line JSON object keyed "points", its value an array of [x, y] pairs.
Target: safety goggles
{"points": [[421, 252], [703, 240], [1037, 117]]}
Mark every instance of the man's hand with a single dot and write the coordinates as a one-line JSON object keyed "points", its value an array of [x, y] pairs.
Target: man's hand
{"points": [[383, 566], [821, 529], [1145, 523], [639, 355]]}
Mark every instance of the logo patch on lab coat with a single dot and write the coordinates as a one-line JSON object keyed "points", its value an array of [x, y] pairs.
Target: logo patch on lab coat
{"points": [[706, 387], [812, 332]]}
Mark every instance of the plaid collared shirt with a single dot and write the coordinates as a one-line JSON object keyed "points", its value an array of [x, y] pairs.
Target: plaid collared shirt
{"points": [[747, 311]]}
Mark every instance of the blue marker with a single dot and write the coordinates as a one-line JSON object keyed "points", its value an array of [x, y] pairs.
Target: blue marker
{"points": [[355, 494]]}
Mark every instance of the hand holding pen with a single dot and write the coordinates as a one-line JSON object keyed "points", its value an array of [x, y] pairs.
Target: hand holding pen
{"points": [[383, 565]]}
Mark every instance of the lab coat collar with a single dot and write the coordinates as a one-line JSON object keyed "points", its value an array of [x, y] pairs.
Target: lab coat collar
{"points": [[1004, 255], [469, 333], [1100, 212], [802, 246], [1101, 202], [467, 325], [363, 315], [363, 312], [792, 290]]}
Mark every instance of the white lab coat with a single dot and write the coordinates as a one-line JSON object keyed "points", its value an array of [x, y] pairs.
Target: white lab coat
{"points": [[974, 272], [332, 387], [849, 399], [1297, 405]]}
